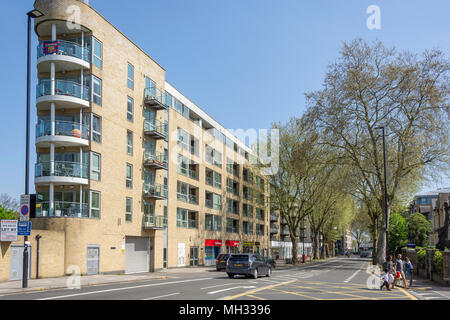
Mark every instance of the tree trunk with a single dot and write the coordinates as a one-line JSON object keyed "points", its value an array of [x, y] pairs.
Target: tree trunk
{"points": [[316, 245], [294, 250], [382, 241], [375, 241]]}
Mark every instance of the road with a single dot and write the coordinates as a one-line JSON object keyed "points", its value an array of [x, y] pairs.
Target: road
{"points": [[334, 279]]}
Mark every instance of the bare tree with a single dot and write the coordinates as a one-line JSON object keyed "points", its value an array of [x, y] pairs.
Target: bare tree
{"points": [[9, 203]]}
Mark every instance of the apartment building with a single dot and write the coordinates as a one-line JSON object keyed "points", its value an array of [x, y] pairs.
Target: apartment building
{"points": [[136, 175]]}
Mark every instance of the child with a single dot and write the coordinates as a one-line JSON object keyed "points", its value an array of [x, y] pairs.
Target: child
{"points": [[408, 270], [387, 279]]}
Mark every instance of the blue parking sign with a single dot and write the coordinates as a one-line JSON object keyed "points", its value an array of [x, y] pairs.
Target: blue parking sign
{"points": [[24, 228]]}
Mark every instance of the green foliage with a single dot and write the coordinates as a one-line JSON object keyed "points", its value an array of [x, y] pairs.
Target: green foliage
{"points": [[418, 228], [438, 263], [421, 257], [398, 231], [8, 214]]}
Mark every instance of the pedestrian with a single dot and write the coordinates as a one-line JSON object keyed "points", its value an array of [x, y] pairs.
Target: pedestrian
{"points": [[400, 268], [387, 279], [409, 271], [390, 266]]}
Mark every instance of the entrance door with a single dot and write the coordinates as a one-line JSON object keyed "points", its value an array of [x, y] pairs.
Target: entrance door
{"points": [[193, 260], [182, 254], [137, 255], [16, 262], [93, 260]]}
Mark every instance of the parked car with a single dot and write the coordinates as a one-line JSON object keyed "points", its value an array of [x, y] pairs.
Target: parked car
{"points": [[248, 264], [221, 261], [271, 262]]}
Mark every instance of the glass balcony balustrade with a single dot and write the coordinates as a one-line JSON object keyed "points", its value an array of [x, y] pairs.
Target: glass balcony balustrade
{"points": [[157, 222], [66, 48], [156, 128], [155, 160], [155, 97], [62, 209], [62, 87], [155, 191], [61, 169], [62, 128]]}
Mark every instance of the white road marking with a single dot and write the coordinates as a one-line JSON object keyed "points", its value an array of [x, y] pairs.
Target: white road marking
{"points": [[227, 289], [126, 288], [265, 280], [354, 274], [220, 285], [166, 295]]}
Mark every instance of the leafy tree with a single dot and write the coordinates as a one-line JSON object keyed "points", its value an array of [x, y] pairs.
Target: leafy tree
{"points": [[398, 231], [8, 214], [418, 229], [360, 226], [372, 86]]}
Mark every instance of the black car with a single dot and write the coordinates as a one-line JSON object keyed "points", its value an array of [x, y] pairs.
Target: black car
{"points": [[221, 261], [271, 262], [248, 264]]}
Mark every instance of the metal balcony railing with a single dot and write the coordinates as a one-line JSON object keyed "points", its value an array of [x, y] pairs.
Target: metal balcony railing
{"points": [[155, 97], [156, 128], [155, 160], [62, 209], [62, 128], [157, 191], [61, 169], [64, 88], [67, 48], [154, 222]]}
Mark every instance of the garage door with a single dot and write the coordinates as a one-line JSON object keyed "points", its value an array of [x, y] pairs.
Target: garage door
{"points": [[137, 254]]}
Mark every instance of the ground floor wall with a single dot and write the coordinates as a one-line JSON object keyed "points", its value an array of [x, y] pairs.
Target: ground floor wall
{"points": [[283, 249]]}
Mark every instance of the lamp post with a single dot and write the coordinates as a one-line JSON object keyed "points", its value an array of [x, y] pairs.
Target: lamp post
{"points": [[31, 15], [382, 128]]}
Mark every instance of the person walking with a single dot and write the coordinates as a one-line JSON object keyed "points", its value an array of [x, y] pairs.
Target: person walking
{"points": [[409, 271], [400, 268], [390, 267]]}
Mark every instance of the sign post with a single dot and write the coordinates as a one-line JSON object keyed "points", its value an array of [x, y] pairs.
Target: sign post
{"points": [[25, 217]]}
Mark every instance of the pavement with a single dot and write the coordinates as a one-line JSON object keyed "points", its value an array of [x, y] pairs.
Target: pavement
{"points": [[332, 279]]}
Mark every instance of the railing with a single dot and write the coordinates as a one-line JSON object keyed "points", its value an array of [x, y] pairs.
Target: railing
{"points": [[273, 230], [156, 158], [64, 88], [188, 173], [157, 190], [61, 169], [189, 198], [151, 221], [209, 204], [285, 232], [273, 217], [154, 93], [67, 48], [157, 126], [62, 209], [62, 128]]}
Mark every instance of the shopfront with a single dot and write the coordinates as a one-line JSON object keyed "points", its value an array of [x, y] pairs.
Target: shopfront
{"points": [[251, 247], [232, 246], [212, 250]]}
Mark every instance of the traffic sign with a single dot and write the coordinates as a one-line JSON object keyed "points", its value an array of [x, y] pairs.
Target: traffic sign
{"points": [[24, 228], [25, 207]]}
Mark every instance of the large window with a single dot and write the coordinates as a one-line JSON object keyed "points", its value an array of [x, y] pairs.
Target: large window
{"points": [[186, 218], [129, 143], [130, 109], [129, 179], [232, 225], [96, 129], [128, 209], [95, 204], [97, 90], [130, 77], [213, 156], [247, 227], [97, 53], [213, 223], [95, 166]]}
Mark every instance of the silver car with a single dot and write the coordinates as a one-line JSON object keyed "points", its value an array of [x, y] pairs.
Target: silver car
{"points": [[248, 264]]}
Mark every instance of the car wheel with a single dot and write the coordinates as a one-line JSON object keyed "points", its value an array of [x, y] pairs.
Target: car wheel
{"points": [[255, 274], [231, 276], [269, 272]]}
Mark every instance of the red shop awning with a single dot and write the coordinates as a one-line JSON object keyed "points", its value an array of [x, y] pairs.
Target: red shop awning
{"points": [[232, 243], [213, 243]]}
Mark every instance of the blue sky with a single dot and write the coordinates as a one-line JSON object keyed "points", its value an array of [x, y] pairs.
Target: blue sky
{"points": [[254, 58]]}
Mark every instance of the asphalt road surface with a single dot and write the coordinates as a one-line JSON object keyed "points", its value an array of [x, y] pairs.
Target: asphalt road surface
{"points": [[334, 279]]}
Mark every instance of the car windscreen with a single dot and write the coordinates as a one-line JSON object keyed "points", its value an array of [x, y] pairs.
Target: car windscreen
{"points": [[239, 257], [224, 257]]}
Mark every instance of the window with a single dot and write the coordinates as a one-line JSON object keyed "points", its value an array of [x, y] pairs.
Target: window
{"points": [[232, 225], [95, 204], [129, 143], [213, 156], [213, 223], [128, 210], [97, 90], [130, 78], [183, 139], [259, 229], [230, 164], [96, 129], [217, 201], [130, 109], [186, 219], [129, 180], [95, 166], [247, 227], [97, 53]]}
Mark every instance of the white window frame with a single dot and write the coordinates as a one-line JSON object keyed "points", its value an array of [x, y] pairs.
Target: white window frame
{"points": [[126, 177], [94, 56], [92, 128], [130, 214], [99, 202], [130, 146], [130, 114], [132, 76], [93, 91], [99, 165]]}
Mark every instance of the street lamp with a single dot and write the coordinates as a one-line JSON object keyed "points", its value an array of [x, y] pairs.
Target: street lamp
{"points": [[31, 15], [385, 185]]}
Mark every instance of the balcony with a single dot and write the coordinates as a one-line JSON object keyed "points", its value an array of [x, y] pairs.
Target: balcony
{"points": [[274, 217], [156, 129], [68, 95], [188, 198], [188, 173], [154, 222], [155, 160], [273, 229], [283, 220], [285, 232], [61, 173], [67, 134], [67, 56], [157, 192], [154, 98], [62, 209]]}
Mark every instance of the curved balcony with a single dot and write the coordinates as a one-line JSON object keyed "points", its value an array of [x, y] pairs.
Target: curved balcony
{"points": [[67, 134], [62, 209], [155, 160], [156, 129], [66, 55], [61, 173], [68, 95]]}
